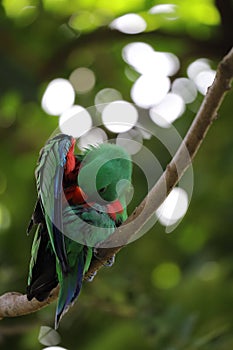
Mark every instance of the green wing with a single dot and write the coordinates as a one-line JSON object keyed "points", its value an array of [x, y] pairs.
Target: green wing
{"points": [[87, 226], [49, 175]]}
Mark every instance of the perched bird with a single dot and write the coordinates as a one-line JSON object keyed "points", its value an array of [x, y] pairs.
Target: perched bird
{"points": [[81, 200]]}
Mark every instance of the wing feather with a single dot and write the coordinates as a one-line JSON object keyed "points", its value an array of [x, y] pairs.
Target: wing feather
{"points": [[49, 175]]}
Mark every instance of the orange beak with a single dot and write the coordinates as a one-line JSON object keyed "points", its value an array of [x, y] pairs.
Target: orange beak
{"points": [[114, 208]]}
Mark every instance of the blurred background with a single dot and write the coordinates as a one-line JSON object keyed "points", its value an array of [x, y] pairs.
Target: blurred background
{"points": [[168, 291]]}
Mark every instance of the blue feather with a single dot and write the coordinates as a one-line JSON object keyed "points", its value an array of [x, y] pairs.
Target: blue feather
{"points": [[69, 289]]}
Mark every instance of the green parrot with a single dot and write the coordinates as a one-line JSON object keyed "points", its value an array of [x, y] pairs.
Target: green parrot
{"points": [[81, 201]]}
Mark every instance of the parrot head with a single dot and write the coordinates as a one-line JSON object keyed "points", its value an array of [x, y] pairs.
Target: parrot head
{"points": [[105, 173]]}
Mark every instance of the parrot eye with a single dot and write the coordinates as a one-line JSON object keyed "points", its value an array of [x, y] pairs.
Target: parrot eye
{"points": [[102, 190]]}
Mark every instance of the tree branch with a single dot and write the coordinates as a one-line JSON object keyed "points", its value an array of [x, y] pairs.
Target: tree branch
{"points": [[15, 304]]}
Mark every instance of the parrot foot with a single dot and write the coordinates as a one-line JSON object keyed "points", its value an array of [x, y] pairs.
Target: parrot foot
{"points": [[109, 262], [91, 276]]}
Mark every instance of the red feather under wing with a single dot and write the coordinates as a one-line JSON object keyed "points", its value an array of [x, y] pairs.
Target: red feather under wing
{"points": [[70, 159]]}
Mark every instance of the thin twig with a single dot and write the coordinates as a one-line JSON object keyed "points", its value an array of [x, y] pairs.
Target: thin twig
{"points": [[15, 304]]}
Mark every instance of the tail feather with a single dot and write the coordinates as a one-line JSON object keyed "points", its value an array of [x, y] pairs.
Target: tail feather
{"points": [[42, 272], [70, 287], [41, 288]]}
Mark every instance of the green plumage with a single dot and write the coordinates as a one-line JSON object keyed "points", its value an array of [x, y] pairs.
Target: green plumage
{"points": [[69, 226]]}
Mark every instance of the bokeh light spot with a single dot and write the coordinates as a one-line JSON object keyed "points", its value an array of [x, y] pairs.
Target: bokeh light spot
{"points": [[136, 53], [105, 96], [14, 7], [55, 5], [168, 9], [131, 141], [48, 336], [9, 106], [185, 88], [27, 16], [145, 60], [205, 12], [173, 208], [75, 121], [131, 23], [119, 116], [161, 63], [192, 238], [5, 218], [3, 183], [166, 275], [94, 137], [146, 134], [171, 63], [196, 67], [58, 96], [204, 80], [209, 271], [149, 90], [131, 74], [168, 110], [82, 21], [82, 79], [54, 348]]}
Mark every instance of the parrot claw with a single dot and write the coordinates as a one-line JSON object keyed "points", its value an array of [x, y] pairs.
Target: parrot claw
{"points": [[110, 261], [91, 276]]}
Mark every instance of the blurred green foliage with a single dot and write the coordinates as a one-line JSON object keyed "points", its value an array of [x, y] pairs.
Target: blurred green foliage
{"points": [[170, 292]]}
